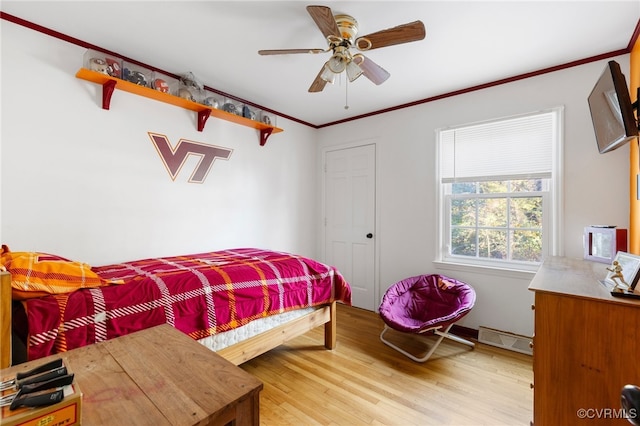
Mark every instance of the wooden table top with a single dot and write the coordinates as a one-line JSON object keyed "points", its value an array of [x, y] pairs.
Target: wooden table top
{"points": [[576, 278], [155, 376]]}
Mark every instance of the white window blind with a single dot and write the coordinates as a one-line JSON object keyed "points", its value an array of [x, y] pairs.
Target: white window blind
{"points": [[516, 148]]}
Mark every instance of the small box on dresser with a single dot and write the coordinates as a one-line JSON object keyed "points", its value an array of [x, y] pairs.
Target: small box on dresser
{"points": [[601, 243]]}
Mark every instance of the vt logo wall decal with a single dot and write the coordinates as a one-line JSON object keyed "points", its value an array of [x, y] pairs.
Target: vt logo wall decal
{"points": [[174, 158]]}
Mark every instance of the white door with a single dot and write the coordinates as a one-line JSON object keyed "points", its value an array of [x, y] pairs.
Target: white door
{"points": [[350, 219]]}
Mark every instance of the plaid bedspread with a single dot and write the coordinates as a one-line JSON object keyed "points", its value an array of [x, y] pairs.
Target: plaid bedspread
{"points": [[200, 294]]}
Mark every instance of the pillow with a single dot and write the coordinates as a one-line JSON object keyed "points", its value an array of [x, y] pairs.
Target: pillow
{"points": [[38, 274]]}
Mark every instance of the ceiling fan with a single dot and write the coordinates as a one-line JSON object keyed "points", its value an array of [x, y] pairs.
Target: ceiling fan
{"points": [[341, 30]]}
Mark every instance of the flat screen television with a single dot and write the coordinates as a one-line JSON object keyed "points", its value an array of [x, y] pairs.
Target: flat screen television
{"points": [[611, 110]]}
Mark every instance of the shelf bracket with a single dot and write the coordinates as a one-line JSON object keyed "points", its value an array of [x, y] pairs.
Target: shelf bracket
{"points": [[264, 135], [107, 90], [203, 116]]}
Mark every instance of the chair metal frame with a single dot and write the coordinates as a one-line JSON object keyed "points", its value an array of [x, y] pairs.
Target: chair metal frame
{"points": [[436, 330]]}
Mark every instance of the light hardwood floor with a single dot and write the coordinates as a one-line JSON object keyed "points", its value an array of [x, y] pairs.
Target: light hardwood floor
{"points": [[364, 382]]}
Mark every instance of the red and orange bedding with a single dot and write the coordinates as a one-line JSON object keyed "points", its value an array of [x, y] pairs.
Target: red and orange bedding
{"points": [[199, 294]]}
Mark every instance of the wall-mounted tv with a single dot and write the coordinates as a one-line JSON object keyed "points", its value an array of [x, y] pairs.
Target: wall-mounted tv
{"points": [[611, 110]]}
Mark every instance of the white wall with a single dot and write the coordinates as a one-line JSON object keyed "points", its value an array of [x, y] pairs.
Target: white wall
{"points": [[595, 187], [88, 184]]}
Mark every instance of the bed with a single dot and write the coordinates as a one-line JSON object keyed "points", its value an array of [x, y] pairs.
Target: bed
{"points": [[239, 302]]}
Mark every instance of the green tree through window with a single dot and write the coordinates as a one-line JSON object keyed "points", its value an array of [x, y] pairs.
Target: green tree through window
{"points": [[497, 219]]}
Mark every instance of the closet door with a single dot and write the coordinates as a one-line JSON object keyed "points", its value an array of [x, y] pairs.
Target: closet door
{"points": [[350, 219]]}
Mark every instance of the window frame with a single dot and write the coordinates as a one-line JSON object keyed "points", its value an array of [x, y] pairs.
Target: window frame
{"points": [[552, 207]]}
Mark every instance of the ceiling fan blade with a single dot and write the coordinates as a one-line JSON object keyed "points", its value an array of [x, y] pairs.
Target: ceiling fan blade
{"points": [[318, 84], [323, 17], [288, 51], [371, 70], [405, 33]]}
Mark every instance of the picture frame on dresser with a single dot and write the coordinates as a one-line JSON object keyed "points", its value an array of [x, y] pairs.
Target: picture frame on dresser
{"points": [[625, 269]]}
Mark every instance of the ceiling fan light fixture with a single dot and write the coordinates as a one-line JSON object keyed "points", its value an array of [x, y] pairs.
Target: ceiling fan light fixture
{"points": [[353, 71], [327, 75], [337, 63]]}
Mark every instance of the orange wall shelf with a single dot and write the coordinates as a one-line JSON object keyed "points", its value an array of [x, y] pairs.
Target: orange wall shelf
{"points": [[109, 84]]}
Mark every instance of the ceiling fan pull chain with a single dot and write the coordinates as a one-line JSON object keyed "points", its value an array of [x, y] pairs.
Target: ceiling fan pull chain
{"points": [[346, 94]]}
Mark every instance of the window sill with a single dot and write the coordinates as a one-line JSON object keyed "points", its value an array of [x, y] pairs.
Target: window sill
{"points": [[485, 270]]}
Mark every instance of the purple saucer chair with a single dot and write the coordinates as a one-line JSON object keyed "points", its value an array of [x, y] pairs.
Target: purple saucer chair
{"points": [[426, 304]]}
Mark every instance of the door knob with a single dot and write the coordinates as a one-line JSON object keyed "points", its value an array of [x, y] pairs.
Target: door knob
{"points": [[369, 235]]}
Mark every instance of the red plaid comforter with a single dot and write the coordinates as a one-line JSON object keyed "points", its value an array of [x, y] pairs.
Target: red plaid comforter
{"points": [[200, 294]]}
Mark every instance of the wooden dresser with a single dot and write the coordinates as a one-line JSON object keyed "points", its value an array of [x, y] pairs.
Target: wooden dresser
{"points": [[586, 345]]}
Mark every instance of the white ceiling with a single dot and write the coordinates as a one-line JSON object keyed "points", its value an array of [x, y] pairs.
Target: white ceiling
{"points": [[468, 43]]}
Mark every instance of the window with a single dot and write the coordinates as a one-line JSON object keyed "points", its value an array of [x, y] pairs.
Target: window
{"points": [[499, 182]]}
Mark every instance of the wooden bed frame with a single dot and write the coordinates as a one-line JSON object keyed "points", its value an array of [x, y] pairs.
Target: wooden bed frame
{"points": [[237, 353]]}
